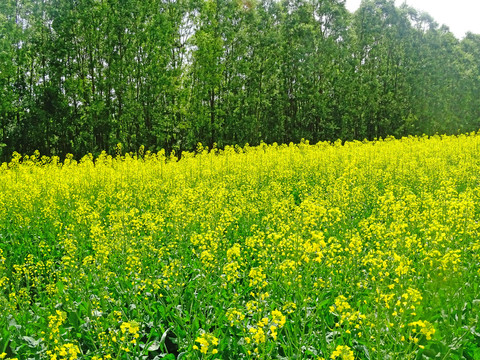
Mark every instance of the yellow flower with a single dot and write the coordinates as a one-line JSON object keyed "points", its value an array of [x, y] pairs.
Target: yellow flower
{"points": [[207, 342], [130, 327], [426, 328], [343, 352]]}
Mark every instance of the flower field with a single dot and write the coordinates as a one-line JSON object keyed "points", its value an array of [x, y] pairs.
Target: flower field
{"points": [[366, 250]]}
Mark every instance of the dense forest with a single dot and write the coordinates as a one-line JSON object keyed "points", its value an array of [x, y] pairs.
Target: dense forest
{"points": [[80, 76]]}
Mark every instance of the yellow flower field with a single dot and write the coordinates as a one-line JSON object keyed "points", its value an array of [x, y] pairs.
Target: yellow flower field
{"points": [[366, 250]]}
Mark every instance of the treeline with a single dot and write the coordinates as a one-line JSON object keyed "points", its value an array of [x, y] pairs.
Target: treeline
{"points": [[79, 76]]}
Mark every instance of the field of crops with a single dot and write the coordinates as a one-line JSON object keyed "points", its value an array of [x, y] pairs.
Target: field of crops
{"points": [[366, 250]]}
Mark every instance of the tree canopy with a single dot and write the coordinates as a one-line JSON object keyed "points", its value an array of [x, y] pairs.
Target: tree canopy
{"points": [[82, 76]]}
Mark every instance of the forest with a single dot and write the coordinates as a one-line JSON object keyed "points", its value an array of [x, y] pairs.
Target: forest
{"points": [[82, 76]]}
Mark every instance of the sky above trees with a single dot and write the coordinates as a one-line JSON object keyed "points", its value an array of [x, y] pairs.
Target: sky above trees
{"points": [[460, 16]]}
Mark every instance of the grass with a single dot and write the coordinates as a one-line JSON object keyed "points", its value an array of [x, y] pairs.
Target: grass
{"points": [[367, 250]]}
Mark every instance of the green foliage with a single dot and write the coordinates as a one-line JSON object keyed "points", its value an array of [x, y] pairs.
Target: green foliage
{"points": [[79, 77]]}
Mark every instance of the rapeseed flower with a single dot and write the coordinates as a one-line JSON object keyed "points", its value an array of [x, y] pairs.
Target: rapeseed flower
{"points": [[207, 342], [242, 241], [343, 352]]}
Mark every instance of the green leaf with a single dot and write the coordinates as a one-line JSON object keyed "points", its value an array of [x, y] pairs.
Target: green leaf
{"points": [[31, 342]]}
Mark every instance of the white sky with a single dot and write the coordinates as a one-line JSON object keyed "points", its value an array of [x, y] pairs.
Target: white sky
{"points": [[460, 16]]}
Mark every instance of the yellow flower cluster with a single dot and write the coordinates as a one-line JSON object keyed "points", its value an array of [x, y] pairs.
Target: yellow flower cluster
{"points": [[3, 277], [343, 352], [279, 251], [54, 323], [425, 327], [257, 277], [131, 328], [259, 332], [66, 352], [234, 316], [346, 314], [207, 342]]}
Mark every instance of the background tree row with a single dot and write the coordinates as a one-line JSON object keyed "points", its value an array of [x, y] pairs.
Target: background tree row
{"points": [[81, 76]]}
